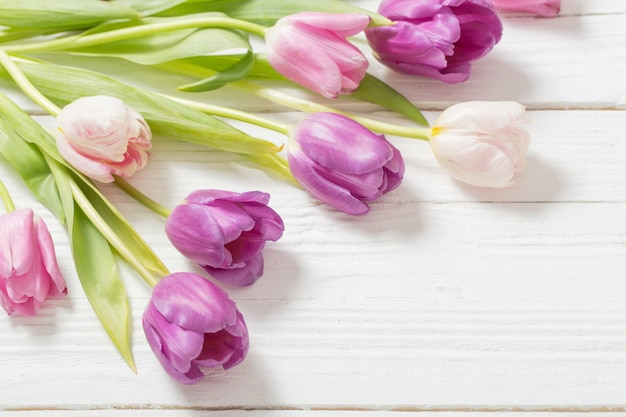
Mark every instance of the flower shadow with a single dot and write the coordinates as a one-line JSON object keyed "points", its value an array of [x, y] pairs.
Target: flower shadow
{"points": [[538, 183]]}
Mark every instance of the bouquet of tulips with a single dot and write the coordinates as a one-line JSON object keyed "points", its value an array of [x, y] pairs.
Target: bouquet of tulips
{"points": [[105, 127]]}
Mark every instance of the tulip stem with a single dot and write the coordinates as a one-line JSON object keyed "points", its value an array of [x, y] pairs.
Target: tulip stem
{"points": [[6, 198], [146, 29], [308, 106], [141, 197], [26, 86], [232, 114]]}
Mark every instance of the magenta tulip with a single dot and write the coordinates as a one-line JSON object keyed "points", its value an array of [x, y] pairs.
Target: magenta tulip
{"points": [[342, 163], [436, 38], [311, 49], [190, 323], [225, 232], [28, 267], [101, 136]]}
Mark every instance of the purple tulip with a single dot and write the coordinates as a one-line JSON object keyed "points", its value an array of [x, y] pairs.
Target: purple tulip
{"points": [[435, 38], [342, 163], [311, 49], [225, 232], [191, 323], [28, 267]]}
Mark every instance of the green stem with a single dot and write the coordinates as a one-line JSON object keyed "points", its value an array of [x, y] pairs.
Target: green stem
{"points": [[83, 41], [308, 106], [93, 215], [6, 198], [141, 197], [25, 85], [232, 114]]}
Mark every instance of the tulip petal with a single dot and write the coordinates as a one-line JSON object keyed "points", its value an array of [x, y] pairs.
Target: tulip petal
{"points": [[323, 189], [48, 257], [239, 277], [344, 24], [182, 299]]}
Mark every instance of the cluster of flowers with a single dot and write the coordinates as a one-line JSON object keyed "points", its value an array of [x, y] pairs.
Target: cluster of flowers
{"points": [[191, 323]]}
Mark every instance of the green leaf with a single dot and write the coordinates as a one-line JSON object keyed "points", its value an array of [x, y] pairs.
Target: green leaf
{"points": [[166, 117], [378, 92], [267, 12], [100, 279], [26, 158], [148, 7], [164, 46], [67, 14], [237, 71]]}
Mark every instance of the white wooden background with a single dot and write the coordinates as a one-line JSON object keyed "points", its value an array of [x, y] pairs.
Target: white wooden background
{"points": [[444, 300]]}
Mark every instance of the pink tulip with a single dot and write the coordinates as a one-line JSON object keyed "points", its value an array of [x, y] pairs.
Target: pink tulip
{"points": [[547, 8], [481, 143], [311, 49], [190, 324], [28, 267], [435, 38], [101, 137]]}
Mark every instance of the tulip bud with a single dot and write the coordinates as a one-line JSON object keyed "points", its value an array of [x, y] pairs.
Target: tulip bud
{"points": [[225, 232], [101, 136], [342, 163], [28, 267], [481, 143], [311, 49], [436, 39], [190, 323]]}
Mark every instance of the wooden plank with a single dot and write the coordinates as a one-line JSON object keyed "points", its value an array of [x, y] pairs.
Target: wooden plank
{"points": [[456, 304]]}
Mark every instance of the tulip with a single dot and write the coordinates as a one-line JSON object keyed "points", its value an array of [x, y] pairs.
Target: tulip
{"points": [[342, 163], [101, 137], [28, 267], [481, 143], [311, 49], [437, 38], [225, 232], [190, 323], [547, 8]]}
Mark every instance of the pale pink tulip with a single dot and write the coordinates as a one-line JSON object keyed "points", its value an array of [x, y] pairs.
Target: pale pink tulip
{"points": [[101, 136], [547, 8], [311, 49], [481, 143]]}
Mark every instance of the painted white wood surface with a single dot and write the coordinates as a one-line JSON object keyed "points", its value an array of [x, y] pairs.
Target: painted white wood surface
{"points": [[443, 298]]}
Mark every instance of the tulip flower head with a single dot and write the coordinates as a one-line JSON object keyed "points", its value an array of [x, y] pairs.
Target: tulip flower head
{"points": [[546, 8], [311, 49], [190, 323], [481, 143], [225, 232], [28, 267], [101, 137], [342, 163], [436, 39]]}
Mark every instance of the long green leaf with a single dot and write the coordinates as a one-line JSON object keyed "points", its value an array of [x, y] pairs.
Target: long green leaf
{"points": [[75, 13], [166, 117], [164, 46], [25, 158], [100, 279], [148, 7], [267, 12]]}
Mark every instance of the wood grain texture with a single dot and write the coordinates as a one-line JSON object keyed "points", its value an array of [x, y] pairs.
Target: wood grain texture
{"points": [[444, 300]]}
